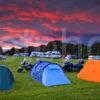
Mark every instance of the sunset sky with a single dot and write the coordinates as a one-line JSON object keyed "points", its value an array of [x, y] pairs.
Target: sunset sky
{"points": [[36, 22]]}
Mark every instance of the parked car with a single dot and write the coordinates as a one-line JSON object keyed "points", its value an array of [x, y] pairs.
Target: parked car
{"points": [[21, 54], [2, 57], [16, 54]]}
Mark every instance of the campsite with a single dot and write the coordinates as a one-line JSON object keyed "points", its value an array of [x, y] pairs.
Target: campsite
{"points": [[49, 49], [25, 88]]}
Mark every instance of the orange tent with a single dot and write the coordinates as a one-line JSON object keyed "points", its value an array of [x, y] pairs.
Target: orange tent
{"points": [[90, 71]]}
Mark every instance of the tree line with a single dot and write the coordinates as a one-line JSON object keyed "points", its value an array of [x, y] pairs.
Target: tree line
{"points": [[81, 50]]}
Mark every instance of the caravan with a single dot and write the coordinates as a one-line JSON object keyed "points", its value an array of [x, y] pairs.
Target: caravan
{"points": [[48, 54], [53, 54], [35, 54], [94, 57]]}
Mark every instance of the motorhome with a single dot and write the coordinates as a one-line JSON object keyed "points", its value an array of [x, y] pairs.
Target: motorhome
{"points": [[94, 57], [48, 54], [54, 54], [36, 54]]}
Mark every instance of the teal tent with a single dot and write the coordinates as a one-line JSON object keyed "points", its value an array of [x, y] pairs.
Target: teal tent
{"points": [[6, 78], [48, 74]]}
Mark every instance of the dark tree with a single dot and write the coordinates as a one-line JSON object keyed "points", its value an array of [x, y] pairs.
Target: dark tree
{"points": [[30, 49], [12, 51], [1, 50], [54, 45], [43, 48], [95, 49]]}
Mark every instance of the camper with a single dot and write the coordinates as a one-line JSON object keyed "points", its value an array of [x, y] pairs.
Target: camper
{"points": [[94, 57], [48, 54], [36, 54], [55, 54], [16, 54], [33, 54]]}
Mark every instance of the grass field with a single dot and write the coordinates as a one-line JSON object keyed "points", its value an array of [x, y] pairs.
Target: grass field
{"points": [[27, 89]]}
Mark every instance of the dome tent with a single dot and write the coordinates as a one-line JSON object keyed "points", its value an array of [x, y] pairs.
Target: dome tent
{"points": [[48, 74], [90, 71], [6, 78]]}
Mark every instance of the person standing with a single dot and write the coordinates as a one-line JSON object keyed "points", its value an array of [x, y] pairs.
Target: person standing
{"points": [[67, 58]]}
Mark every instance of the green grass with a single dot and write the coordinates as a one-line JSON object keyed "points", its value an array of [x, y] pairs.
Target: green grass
{"points": [[27, 89]]}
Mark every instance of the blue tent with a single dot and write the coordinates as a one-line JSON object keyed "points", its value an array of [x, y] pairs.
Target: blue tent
{"points": [[6, 78], [48, 74]]}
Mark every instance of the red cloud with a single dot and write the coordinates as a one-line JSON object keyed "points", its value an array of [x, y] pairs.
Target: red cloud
{"points": [[28, 15], [52, 27], [26, 37], [53, 18], [24, 19], [82, 17], [14, 30], [8, 45], [75, 16], [13, 8], [23, 34], [7, 18]]}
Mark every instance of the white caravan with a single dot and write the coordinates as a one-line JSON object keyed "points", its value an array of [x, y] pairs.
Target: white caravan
{"points": [[94, 57], [48, 54], [53, 54]]}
